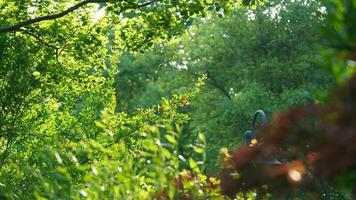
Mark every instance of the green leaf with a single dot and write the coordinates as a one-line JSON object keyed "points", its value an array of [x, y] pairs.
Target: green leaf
{"points": [[99, 124], [198, 150], [201, 137], [193, 165], [171, 139]]}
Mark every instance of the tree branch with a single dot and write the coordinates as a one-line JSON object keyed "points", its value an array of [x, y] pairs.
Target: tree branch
{"points": [[217, 86], [5, 153], [38, 38], [16, 27], [10, 136], [19, 25], [137, 6]]}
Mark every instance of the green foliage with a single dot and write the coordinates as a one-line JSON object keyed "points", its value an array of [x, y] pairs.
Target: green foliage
{"points": [[102, 154], [262, 58], [339, 60], [309, 140], [60, 134], [102, 102]]}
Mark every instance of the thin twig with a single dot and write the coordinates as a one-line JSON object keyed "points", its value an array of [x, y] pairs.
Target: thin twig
{"points": [[38, 38]]}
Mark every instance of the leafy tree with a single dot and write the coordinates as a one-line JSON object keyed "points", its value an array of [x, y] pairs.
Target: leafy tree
{"points": [[314, 142], [95, 103], [264, 58], [58, 120]]}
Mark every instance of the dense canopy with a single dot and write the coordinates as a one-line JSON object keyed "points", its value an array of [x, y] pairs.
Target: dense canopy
{"points": [[148, 99]]}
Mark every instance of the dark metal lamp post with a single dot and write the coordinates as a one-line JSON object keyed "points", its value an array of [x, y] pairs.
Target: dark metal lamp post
{"points": [[250, 135]]}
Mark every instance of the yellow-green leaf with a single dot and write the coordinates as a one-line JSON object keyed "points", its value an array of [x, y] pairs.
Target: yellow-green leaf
{"points": [[193, 165], [199, 150], [171, 139]]}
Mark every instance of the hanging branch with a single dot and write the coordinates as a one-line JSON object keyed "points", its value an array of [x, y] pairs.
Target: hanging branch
{"points": [[56, 49], [38, 38], [215, 83], [16, 27], [19, 25]]}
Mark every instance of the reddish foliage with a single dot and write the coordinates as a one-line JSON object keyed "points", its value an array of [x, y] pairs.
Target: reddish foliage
{"points": [[184, 193], [312, 141]]}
